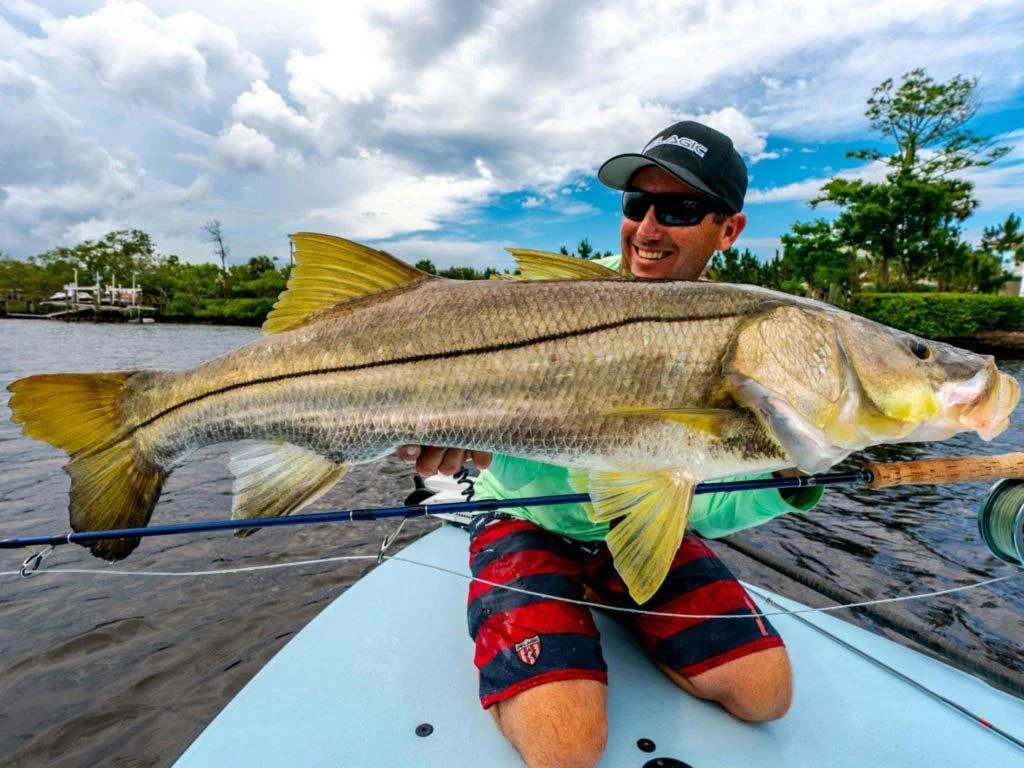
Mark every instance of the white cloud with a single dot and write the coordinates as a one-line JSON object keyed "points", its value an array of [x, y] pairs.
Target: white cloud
{"points": [[808, 188], [382, 120], [143, 58], [451, 253], [246, 148], [385, 197], [1001, 185]]}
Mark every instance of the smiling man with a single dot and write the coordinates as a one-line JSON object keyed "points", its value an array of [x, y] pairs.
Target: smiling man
{"points": [[541, 671]]}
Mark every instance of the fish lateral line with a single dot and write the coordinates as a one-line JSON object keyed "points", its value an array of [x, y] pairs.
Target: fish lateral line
{"points": [[426, 357]]}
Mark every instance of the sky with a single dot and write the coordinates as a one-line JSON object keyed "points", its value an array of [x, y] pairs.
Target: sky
{"points": [[450, 130]]}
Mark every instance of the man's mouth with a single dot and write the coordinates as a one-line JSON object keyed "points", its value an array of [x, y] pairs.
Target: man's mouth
{"points": [[643, 253]]}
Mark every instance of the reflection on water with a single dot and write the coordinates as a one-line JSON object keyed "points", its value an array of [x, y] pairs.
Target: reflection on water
{"points": [[127, 672]]}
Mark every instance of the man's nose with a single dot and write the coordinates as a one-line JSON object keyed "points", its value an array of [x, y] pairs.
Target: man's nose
{"points": [[649, 228]]}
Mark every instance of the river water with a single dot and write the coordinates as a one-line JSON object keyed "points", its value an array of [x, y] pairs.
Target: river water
{"points": [[127, 671]]}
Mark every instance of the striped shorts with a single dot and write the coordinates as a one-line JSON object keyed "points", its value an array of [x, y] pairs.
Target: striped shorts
{"points": [[525, 640]]}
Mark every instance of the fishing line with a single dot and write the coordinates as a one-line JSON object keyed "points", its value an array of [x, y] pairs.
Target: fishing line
{"points": [[532, 593], [974, 718]]}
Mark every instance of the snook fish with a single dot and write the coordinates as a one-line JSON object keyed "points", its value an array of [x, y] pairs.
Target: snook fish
{"points": [[642, 388]]}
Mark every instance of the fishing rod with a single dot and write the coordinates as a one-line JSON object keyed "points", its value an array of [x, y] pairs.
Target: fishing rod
{"points": [[1000, 518]]}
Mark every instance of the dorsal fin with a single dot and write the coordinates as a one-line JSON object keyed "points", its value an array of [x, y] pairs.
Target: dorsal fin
{"points": [[330, 271], [541, 265]]}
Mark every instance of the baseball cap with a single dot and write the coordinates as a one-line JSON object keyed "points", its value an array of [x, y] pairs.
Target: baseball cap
{"points": [[692, 152]]}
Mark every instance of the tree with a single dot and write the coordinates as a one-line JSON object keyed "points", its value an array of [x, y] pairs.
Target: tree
{"points": [[215, 235], [114, 258], [731, 266], [1005, 240], [910, 224], [814, 254], [426, 265], [927, 121], [584, 251]]}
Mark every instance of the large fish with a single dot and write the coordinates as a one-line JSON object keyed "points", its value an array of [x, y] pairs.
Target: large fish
{"points": [[643, 388]]}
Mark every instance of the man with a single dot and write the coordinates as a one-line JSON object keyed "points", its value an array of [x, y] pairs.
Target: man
{"points": [[682, 201]]}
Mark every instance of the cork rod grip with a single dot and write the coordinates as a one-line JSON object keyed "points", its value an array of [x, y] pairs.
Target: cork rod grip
{"points": [[960, 469]]}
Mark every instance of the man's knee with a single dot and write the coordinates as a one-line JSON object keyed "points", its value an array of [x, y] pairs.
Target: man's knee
{"points": [[561, 724], [756, 688]]}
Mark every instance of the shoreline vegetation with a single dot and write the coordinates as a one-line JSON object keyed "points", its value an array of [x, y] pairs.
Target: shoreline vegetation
{"points": [[894, 252]]}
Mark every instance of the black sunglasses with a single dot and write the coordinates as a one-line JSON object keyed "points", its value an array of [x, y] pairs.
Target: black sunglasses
{"points": [[670, 210]]}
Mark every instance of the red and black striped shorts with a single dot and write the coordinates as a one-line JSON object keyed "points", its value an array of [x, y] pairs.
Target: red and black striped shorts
{"points": [[524, 640]]}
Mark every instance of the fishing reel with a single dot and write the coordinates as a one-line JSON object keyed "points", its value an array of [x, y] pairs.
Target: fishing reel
{"points": [[1001, 520]]}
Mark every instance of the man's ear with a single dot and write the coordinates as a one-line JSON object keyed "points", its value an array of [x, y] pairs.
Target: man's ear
{"points": [[731, 230]]}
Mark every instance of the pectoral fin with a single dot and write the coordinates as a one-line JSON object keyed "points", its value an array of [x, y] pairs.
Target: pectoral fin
{"points": [[275, 479], [654, 508]]}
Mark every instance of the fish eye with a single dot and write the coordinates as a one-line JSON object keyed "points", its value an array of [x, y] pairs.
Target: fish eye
{"points": [[920, 350]]}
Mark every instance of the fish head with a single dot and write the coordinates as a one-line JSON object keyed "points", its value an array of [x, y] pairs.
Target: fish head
{"points": [[828, 383]]}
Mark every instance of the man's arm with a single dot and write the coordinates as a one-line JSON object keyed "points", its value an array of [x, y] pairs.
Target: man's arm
{"points": [[714, 515]]}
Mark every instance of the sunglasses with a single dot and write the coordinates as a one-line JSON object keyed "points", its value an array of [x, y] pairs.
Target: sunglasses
{"points": [[670, 210]]}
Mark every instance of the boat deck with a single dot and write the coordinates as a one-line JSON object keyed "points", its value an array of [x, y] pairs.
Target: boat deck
{"points": [[392, 653]]}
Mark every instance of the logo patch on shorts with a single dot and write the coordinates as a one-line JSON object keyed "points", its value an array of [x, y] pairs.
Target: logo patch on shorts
{"points": [[528, 650]]}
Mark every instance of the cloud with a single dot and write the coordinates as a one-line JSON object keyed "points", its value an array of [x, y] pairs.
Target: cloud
{"points": [[1001, 185], [451, 253], [386, 120], [385, 196], [806, 189], [246, 148], [265, 109], [143, 58]]}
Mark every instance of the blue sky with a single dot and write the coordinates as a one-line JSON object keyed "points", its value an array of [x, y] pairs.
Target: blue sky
{"points": [[447, 130]]}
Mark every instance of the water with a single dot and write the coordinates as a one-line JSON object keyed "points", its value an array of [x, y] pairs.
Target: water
{"points": [[126, 672]]}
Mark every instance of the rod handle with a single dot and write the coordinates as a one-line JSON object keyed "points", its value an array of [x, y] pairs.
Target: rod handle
{"points": [[959, 469]]}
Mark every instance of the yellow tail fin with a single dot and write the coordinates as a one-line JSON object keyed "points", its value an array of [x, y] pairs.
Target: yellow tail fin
{"points": [[112, 486]]}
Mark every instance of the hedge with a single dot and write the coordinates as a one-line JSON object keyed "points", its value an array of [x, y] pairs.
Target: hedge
{"points": [[942, 315], [221, 311]]}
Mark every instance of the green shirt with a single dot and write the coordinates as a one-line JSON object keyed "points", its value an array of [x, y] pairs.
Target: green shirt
{"points": [[712, 514]]}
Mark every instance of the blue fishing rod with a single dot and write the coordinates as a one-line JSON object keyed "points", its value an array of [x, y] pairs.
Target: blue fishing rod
{"points": [[1001, 517]]}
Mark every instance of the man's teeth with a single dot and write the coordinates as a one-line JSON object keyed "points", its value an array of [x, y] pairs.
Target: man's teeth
{"points": [[653, 255]]}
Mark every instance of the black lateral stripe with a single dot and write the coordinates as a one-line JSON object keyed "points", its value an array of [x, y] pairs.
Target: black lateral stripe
{"points": [[557, 652], [520, 541], [709, 638], [498, 600], [426, 357]]}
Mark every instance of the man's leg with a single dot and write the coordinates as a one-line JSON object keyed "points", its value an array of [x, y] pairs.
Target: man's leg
{"points": [[557, 725], [541, 671], [756, 688], [738, 660]]}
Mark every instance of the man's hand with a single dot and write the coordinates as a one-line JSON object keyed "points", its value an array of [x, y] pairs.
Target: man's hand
{"points": [[431, 459]]}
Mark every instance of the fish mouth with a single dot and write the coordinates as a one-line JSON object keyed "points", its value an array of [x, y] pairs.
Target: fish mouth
{"points": [[985, 403]]}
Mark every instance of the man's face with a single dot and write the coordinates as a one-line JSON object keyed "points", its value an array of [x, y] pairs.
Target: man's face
{"points": [[652, 250]]}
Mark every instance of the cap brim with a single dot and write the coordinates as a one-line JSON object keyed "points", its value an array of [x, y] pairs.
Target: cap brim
{"points": [[617, 172]]}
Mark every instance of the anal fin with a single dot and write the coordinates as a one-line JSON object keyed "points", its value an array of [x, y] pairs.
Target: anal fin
{"points": [[276, 479], [654, 508]]}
